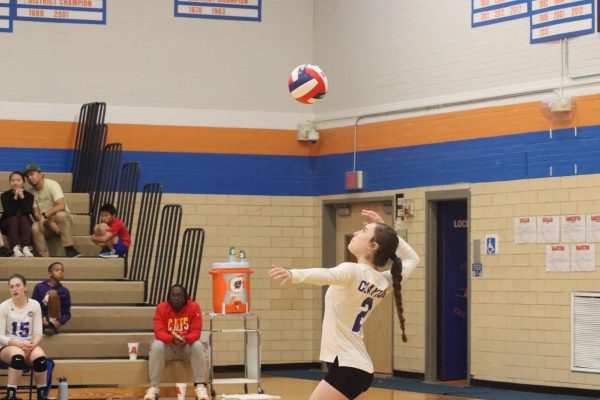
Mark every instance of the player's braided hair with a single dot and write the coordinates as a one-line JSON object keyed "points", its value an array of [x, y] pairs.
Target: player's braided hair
{"points": [[387, 239]]}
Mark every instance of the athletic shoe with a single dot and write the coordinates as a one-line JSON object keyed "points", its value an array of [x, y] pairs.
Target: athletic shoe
{"points": [[50, 330], [5, 251], [72, 252], [27, 251], [151, 393], [17, 251], [201, 392], [108, 254]]}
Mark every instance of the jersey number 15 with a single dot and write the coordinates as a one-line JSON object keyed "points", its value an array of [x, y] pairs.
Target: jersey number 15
{"points": [[23, 329]]}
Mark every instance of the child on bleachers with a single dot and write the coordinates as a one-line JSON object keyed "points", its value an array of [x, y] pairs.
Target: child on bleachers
{"points": [[54, 298], [111, 233]]}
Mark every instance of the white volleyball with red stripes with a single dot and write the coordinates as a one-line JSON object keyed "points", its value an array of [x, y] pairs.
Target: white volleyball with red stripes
{"points": [[308, 83]]}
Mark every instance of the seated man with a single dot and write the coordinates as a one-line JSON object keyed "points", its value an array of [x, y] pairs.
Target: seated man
{"points": [[51, 212], [177, 328]]}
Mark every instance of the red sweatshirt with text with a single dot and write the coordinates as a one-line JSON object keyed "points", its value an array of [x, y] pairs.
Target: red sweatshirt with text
{"points": [[187, 323]]}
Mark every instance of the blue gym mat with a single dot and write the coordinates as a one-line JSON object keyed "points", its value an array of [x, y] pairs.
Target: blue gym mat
{"points": [[412, 385]]}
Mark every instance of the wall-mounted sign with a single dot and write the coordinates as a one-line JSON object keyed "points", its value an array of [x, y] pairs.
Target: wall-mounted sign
{"points": [[243, 10], [485, 12], [558, 19], [61, 11]]}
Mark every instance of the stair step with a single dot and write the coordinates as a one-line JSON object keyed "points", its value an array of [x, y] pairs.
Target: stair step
{"points": [[119, 372], [96, 345], [82, 243], [65, 179], [101, 292], [75, 268], [107, 318]]}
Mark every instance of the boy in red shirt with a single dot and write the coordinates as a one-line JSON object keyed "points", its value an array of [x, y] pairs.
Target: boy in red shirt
{"points": [[177, 328], [111, 233]]}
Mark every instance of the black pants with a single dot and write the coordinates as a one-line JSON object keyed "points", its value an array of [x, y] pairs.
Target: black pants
{"points": [[18, 230], [351, 382]]}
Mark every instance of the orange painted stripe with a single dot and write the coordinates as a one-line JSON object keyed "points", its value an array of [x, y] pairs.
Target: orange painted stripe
{"points": [[401, 132], [454, 126], [38, 134]]}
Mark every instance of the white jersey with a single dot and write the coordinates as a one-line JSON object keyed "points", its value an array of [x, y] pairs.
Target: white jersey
{"points": [[20, 323], [355, 290]]}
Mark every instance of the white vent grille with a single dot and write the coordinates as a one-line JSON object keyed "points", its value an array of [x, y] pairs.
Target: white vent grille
{"points": [[585, 331]]}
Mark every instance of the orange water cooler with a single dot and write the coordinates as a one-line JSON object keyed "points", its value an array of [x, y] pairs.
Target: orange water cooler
{"points": [[231, 287]]}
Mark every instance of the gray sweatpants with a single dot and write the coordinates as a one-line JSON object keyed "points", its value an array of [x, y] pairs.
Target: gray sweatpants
{"points": [[160, 353]]}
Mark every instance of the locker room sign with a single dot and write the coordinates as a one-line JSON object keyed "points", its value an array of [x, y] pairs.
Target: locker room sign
{"points": [[485, 12], [559, 19], [241, 10], [61, 11]]}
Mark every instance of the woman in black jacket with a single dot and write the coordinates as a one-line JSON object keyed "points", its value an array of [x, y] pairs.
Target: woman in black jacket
{"points": [[17, 210]]}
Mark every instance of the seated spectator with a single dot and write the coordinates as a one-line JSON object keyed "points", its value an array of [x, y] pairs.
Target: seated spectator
{"points": [[111, 233], [17, 211], [20, 337], [54, 298], [177, 328], [51, 212]]}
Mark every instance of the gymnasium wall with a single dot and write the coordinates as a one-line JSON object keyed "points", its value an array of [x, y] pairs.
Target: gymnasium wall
{"points": [[204, 106]]}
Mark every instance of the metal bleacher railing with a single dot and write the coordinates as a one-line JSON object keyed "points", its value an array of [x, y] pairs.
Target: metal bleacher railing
{"points": [[164, 263], [190, 259], [90, 140], [145, 233], [107, 182]]}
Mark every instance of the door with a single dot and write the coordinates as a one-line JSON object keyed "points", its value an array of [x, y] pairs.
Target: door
{"points": [[452, 290], [378, 328]]}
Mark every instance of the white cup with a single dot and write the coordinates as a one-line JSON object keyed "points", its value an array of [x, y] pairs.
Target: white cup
{"points": [[133, 348], [180, 389]]}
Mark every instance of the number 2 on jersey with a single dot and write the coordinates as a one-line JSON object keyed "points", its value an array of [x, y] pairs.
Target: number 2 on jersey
{"points": [[368, 304], [23, 329]]}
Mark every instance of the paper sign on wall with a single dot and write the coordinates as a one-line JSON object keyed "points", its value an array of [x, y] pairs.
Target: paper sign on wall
{"points": [[592, 228], [557, 258], [525, 230], [583, 257], [548, 229], [572, 228]]}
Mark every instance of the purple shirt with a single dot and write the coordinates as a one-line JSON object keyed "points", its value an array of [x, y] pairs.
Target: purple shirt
{"points": [[39, 292]]}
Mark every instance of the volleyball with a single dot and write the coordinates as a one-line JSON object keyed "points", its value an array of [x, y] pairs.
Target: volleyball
{"points": [[307, 83]]}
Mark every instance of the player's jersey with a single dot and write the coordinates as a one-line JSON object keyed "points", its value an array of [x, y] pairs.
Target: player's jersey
{"points": [[355, 290], [20, 323]]}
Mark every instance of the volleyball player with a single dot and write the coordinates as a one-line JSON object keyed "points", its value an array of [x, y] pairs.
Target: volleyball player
{"points": [[20, 336], [355, 289]]}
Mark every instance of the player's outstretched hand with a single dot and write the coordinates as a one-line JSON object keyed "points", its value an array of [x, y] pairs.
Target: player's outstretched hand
{"points": [[280, 275], [371, 217]]}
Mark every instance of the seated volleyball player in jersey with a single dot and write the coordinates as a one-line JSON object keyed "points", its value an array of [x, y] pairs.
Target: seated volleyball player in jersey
{"points": [[177, 329], [20, 336], [355, 289]]}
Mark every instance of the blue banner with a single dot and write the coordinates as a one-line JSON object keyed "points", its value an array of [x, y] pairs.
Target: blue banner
{"points": [[485, 12], [241, 10], [559, 19]]}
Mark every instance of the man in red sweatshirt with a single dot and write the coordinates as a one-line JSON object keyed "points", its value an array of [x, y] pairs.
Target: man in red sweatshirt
{"points": [[177, 328]]}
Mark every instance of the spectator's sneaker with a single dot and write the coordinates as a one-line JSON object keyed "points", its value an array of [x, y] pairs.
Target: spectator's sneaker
{"points": [[27, 251], [5, 251], [17, 251], [151, 393], [50, 330], [201, 392], [107, 253], [72, 252]]}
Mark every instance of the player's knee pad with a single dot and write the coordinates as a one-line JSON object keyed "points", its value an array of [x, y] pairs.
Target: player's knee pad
{"points": [[40, 364], [17, 362]]}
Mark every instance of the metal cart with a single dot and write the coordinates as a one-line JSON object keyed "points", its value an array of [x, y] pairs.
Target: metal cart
{"points": [[251, 349]]}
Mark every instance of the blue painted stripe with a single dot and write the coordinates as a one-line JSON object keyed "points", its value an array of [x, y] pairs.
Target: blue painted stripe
{"points": [[565, 152]]}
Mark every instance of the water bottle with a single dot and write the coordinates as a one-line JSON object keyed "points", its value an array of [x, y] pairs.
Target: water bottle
{"points": [[232, 254], [63, 389]]}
